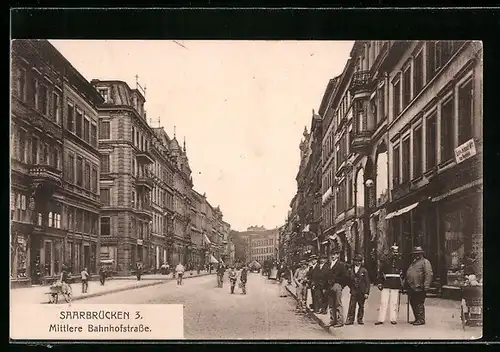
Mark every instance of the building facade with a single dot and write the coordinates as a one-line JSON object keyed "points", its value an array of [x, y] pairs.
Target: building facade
{"points": [[435, 145], [126, 180], [402, 154], [261, 243], [54, 198]]}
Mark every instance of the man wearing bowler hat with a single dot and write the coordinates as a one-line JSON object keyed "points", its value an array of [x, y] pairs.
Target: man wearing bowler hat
{"points": [[360, 289], [417, 282]]}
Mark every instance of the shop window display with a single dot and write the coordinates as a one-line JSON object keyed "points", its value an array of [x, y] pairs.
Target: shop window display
{"points": [[461, 238], [19, 256]]}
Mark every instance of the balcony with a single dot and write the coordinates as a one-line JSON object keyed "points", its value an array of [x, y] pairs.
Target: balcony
{"points": [[400, 190], [361, 141], [361, 82], [46, 174], [145, 157], [144, 210], [144, 180]]}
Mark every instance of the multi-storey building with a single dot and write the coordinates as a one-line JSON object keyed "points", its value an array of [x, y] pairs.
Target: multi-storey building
{"points": [[125, 180], [262, 244], [402, 153], [163, 197], [183, 185], [54, 213], [435, 149], [199, 250]]}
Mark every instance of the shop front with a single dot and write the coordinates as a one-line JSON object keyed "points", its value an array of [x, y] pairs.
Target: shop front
{"points": [[460, 226]]}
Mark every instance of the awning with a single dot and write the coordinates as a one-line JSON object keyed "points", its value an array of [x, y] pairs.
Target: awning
{"points": [[213, 260], [401, 211], [207, 239], [458, 190]]}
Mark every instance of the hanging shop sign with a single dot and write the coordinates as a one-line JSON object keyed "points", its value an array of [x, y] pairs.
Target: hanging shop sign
{"points": [[465, 151], [139, 242]]}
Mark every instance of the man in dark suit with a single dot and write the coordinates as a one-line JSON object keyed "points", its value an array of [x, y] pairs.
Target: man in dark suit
{"points": [[318, 288], [338, 278], [360, 289], [323, 284]]}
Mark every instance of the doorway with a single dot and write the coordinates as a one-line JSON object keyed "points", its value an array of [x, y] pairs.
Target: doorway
{"points": [[35, 264]]}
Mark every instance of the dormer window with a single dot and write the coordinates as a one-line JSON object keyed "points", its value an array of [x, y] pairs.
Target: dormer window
{"points": [[104, 92]]}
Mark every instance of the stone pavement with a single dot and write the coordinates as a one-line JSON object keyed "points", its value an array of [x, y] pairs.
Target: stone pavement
{"points": [[37, 294], [213, 313], [442, 321]]}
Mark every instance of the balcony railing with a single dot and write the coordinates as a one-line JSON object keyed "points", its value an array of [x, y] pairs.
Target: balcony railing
{"points": [[45, 173], [145, 157], [361, 81], [400, 190], [145, 180], [361, 141]]}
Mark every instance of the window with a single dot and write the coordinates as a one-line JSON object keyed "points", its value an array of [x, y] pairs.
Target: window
{"points": [[93, 187], [105, 196], [406, 86], [406, 160], [55, 158], [396, 87], [71, 118], [21, 84], [465, 112], [349, 193], [44, 100], [104, 132], [56, 109], [431, 140], [381, 103], [104, 93], [86, 130], [45, 154], [87, 175], [34, 93], [133, 199], [418, 73], [79, 122], [34, 150], [396, 165], [133, 135], [22, 145], [431, 59], [93, 135], [71, 168], [105, 163], [79, 171], [417, 152], [447, 130], [54, 220], [105, 226]]}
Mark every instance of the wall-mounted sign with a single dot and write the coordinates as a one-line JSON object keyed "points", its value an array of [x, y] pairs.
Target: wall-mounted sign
{"points": [[139, 242], [465, 151]]}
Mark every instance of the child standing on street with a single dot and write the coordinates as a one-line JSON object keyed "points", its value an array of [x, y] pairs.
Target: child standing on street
{"points": [[85, 280], [300, 279]]}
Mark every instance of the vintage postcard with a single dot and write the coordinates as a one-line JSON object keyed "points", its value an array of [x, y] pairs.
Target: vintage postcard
{"points": [[254, 190]]}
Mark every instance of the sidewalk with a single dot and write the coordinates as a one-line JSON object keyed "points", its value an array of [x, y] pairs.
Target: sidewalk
{"points": [[37, 294], [442, 321]]}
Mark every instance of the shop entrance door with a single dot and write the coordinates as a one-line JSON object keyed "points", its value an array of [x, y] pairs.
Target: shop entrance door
{"points": [[35, 265], [406, 239]]}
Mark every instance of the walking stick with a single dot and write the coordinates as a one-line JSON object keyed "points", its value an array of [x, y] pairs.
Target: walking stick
{"points": [[407, 308]]}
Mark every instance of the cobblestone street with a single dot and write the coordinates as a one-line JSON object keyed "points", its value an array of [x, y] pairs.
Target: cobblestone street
{"points": [[213, 313]]}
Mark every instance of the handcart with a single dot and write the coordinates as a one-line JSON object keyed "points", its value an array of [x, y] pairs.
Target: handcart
{"points": [[472, 305], [57, 289]]}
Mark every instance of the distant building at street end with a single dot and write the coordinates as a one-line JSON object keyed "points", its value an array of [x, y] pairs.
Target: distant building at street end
{"points": [[260, 244]]}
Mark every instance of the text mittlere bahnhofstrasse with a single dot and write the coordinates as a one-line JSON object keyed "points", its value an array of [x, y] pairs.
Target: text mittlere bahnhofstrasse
{"points": [[95, 326]]}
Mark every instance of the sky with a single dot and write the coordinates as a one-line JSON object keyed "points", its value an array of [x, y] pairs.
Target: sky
{"points": [[241, 106]]}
